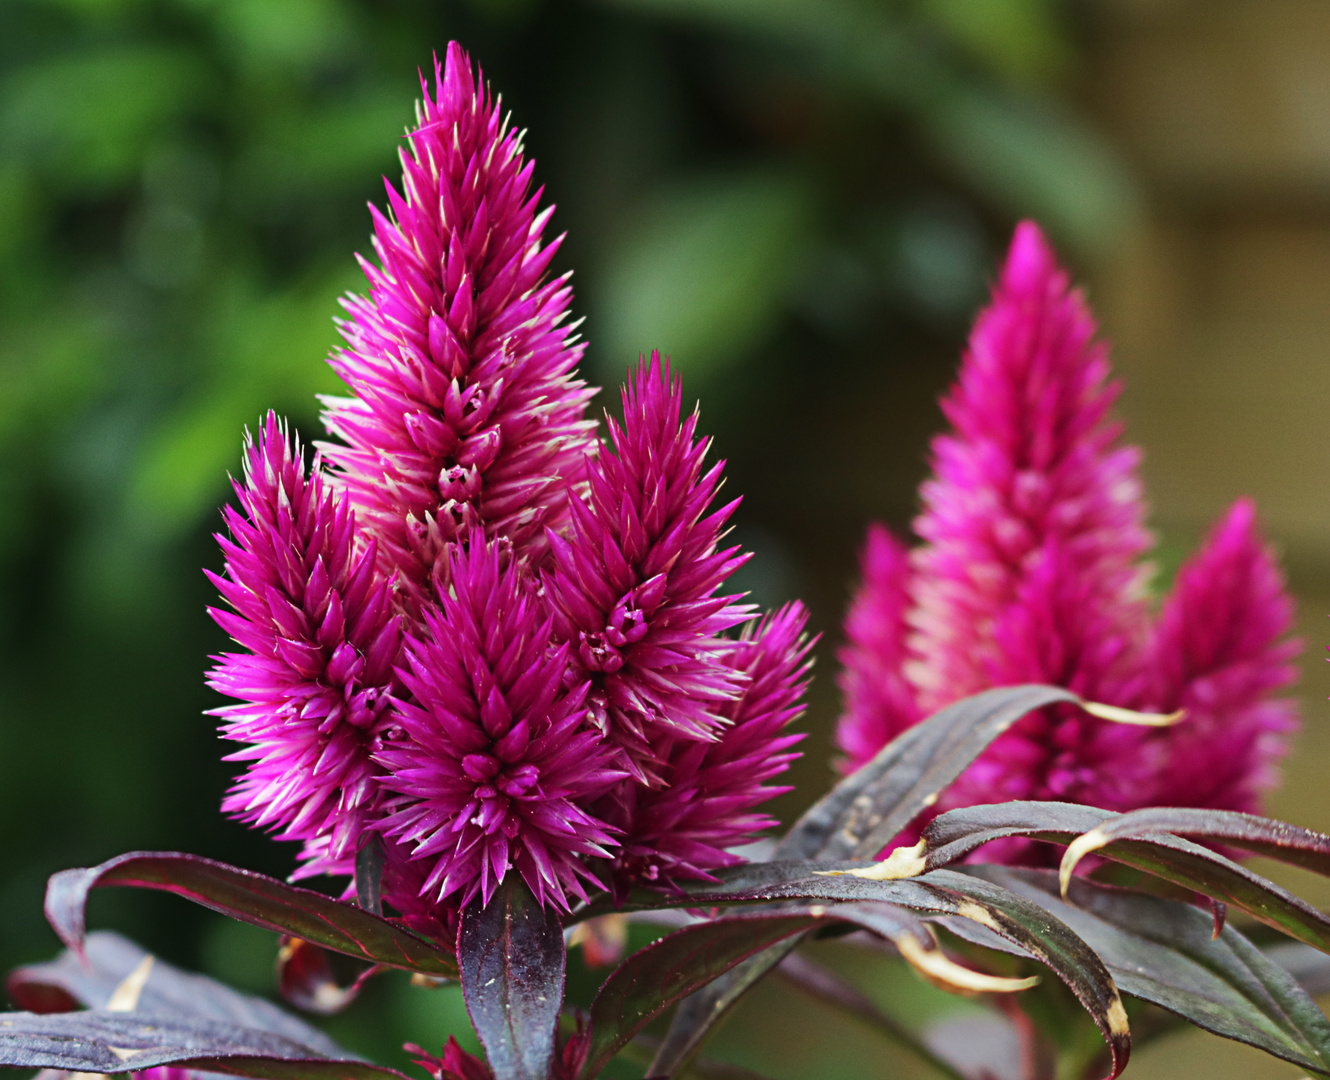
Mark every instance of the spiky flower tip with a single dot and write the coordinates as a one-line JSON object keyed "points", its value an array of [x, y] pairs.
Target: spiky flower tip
{"points": [[321, 644], [1031, 570], [636, 579], [500, 767], [706, 803], [465, 411]]}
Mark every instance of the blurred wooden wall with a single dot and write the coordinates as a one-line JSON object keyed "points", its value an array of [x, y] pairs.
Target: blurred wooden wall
{"points": [[1219, 307]]}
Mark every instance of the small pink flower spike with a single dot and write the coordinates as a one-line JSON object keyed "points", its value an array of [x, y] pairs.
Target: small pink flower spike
{"points": [[1221, 651], [497, 769], [879, 702], [464, 412], [635, 580], [320, 644], [707, 802]]}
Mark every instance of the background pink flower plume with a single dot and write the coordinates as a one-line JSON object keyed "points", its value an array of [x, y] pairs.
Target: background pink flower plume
{"points": [[1031, 570]]}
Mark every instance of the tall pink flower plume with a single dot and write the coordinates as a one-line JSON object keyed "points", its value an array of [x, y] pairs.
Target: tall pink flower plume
{"points": [[635, 580], [1031, 570], [706, 802], [476, 636], [465, 411], [499, 766], [321, 645]]}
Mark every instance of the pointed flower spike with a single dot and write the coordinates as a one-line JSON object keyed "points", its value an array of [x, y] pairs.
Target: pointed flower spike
{"points": [[465, 412], [944, 973], [1115, 714]]}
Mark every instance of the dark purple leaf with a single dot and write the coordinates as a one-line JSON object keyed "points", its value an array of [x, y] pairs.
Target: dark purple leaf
{"points": [[856, 819], [251, 898], [862, 813], [109, 958], [1163, 951], [306, 979], [511, 956], [1261, 836], [118, 1042], [955, 834]]}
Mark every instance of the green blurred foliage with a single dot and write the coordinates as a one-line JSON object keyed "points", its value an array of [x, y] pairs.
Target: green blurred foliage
{"points": [[800, 200]]}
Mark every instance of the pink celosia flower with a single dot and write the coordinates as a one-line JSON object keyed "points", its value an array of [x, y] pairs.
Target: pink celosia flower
{"points": [[499, 765], [635, 580], [705, 803], [322, 642], [1031, 570], [465, 411], [565, 680]]}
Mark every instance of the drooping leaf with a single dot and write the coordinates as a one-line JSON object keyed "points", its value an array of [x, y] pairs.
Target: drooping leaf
{"points": [[1259, 835], [99, 1041], [1046, 937], [1163, 952], [883, 796], [306, 979], [867, 808], [251, 898], [511, 955], [955, 834], [69, 982]]}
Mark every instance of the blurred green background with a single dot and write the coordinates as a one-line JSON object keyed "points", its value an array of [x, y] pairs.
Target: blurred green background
{"points": [[801, 200]]}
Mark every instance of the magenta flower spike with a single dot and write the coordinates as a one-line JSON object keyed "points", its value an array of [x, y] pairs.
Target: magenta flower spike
{"points": [[705, 805], [465, 412], [1031, 570], [499, 767], [321, 645], [635, 580], [472, 634], [1220, 651]]}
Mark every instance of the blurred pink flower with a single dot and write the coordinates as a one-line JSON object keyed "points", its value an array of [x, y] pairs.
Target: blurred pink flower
{"points": [[1031, 570]]}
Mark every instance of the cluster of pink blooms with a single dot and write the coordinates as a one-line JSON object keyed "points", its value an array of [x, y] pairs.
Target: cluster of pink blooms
{"points": [[1031, 569], [471, 629]]}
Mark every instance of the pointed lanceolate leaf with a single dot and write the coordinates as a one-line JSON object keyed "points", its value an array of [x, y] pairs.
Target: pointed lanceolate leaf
{"points": [[116, 1042], [873, 804], [1163, 951], [251, 898], [369, 875], [511, 955], [1259, 835], [958, 832], [1049, 939], [70, 982]]}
